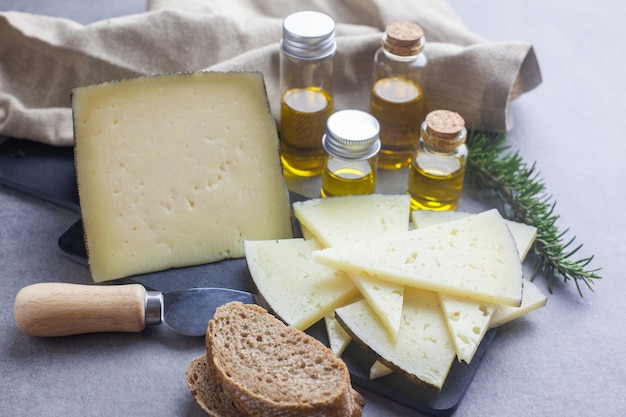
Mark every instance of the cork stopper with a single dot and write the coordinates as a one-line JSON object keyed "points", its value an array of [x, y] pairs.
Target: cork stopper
{"points": [[403, 39], [444, 129]]}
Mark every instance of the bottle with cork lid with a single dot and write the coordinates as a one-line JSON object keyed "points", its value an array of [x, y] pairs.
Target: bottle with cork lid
{"points": [[351, 143], [438, 163], [307, 51], [397, 96]]}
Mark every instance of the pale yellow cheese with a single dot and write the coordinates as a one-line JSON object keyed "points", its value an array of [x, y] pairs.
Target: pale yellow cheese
{"points": [[468, 320], [343, 220], [337, 221], [299, 290], [338, 338], [386, 298], [532, 300], [176, 170], [473, 257], [379, 370], [524, 234], [423, 349]]}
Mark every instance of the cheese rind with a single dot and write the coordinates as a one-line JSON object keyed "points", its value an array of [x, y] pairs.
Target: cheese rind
{"points": [[423, 349], [175, 170], [473, 257], [299, 290]]}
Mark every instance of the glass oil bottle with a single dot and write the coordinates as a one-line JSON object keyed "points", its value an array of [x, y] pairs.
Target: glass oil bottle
{"points": [[397, 97], [351, 143], [306, 84], [438, 163]]}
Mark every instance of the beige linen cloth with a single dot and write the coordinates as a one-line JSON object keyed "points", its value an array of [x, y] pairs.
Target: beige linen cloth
{"points": [[43, 58]]}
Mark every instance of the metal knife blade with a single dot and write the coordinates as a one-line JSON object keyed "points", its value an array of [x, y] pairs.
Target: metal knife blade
{"points": [[189, 311], [62, 309]]}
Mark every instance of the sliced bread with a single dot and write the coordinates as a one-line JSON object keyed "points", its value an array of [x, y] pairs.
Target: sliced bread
{"points": [[266, 368], [209, 397]]}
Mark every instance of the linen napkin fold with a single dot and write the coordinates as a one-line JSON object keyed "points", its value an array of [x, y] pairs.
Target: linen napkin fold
{"points": [[43, 58]]}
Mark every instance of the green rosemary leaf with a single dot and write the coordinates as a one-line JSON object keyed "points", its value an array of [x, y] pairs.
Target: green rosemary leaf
{"points": [[521, 193]]}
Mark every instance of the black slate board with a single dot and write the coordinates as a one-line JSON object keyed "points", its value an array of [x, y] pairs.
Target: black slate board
{"points": [[48, 173], [45, 172]]}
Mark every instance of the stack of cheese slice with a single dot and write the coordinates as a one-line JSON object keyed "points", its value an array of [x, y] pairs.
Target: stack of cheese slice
{"points": [[175, 170], [473, 259], [337, 222], [302, 291], [298, 290], [468, 320]]}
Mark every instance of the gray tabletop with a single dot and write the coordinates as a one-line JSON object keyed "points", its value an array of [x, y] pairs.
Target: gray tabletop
{"points": [[566, 359]]}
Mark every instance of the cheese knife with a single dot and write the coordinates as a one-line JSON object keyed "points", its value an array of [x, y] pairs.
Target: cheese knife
{"points": [[63, 309]]}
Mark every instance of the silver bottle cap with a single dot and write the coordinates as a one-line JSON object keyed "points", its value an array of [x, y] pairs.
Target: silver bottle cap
{"points": [[352, 134], [308, 35]]}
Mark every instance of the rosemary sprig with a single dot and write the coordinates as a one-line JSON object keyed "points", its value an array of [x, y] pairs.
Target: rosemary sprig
{"points": [[522, 195]]}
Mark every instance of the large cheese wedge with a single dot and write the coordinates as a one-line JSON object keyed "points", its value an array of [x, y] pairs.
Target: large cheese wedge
{"points": [[176, 170], [473, 257], [468, 320], [299, 290], [423, 349], [343, 220]]}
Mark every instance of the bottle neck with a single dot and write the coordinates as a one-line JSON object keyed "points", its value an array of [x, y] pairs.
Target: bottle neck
{"points": [[400, 58]]}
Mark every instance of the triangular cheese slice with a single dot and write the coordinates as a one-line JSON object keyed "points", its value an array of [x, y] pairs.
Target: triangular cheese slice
{"points": [[338, 338], [379, 370], [468, 320], [299, 290], [422, 334], [473, 257], [532, 300], [524, 234], [340, 221], [385, 298]]}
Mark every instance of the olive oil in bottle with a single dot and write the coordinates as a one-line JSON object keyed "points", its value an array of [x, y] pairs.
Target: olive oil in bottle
{"points": [[306, 84], [397, 104], [397, 97], [351, 143], [347, 181], [304, 112], [438, 164]]}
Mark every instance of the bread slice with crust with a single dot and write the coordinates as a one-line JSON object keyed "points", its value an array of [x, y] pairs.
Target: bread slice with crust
{"points": [[208, 396], [262, 367]]}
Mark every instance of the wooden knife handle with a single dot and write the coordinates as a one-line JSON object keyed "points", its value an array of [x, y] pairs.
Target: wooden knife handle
{"points": [[60, 309]]}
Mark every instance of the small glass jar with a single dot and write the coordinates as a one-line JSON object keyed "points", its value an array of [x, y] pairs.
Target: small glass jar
{"points": [[438, 162], [306, 84], [397, 97], [351, 143]]}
